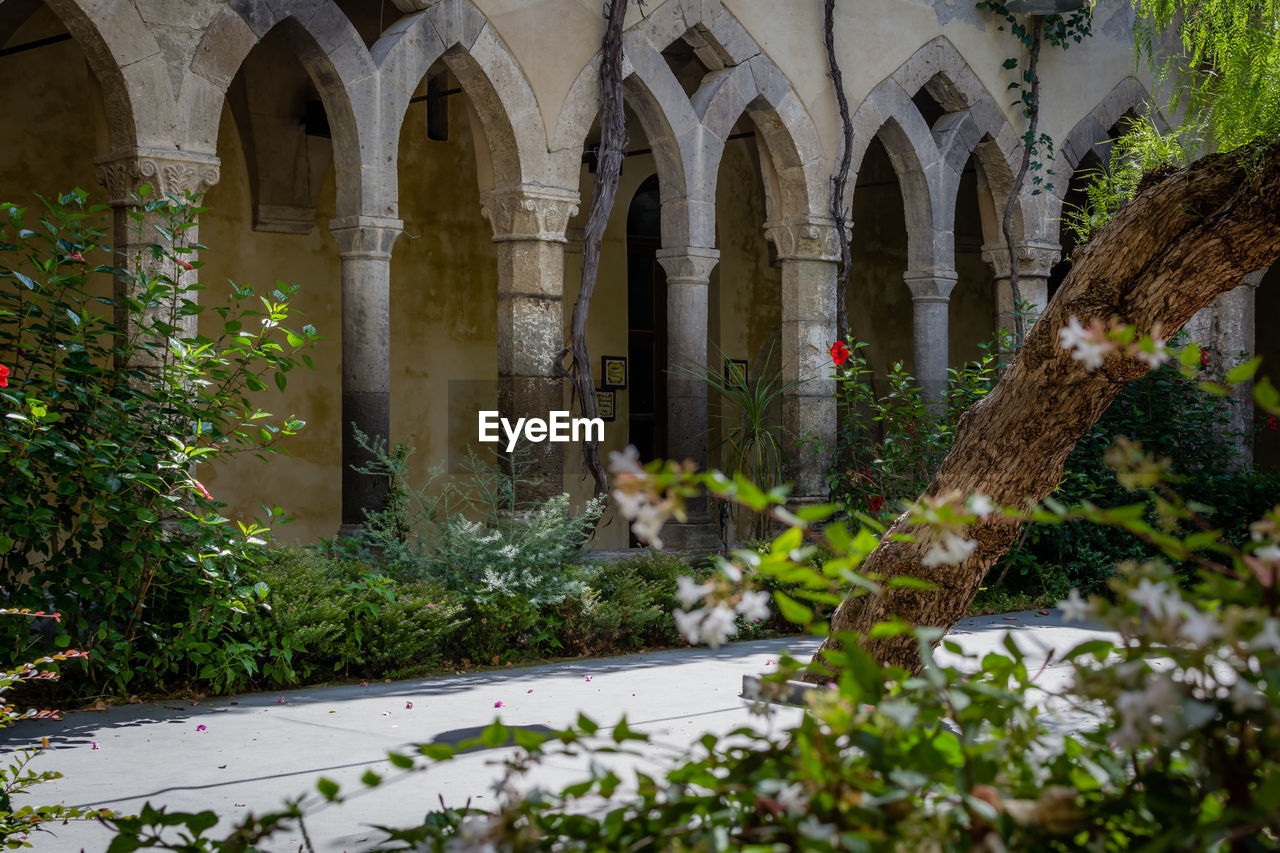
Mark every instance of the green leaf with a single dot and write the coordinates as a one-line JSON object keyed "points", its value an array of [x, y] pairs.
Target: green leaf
{"points": [[792, 610], [327, 788], [404, 762], [1244, 372], [494, 734]]}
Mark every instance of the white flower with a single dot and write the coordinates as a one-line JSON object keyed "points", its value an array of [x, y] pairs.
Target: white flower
{"points": [[793, 799], [1156, 598], [1245, 697], [648, 524], [951, 551], [1269, 552], [689, 593], [754, 605], [1074, 608], [1198, 629], [731, 571], [719, 625], [1083, 343], [816, 830], [626, 462], [1154, 357], [508, 551], [628, 504], [1268, 637], [689, 624], [981, 505]]}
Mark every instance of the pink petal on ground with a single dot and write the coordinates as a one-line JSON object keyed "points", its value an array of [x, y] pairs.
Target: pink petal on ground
{"points": [[588, 678], [97, 745], [201, 728], [279, 700], [498, 704], [408, 706], [364, 684], [770, 662]]}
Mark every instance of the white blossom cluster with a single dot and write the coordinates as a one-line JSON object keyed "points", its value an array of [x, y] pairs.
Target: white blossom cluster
{"points": [[1090, 345], [1188, 665], [646, 512], [718, 621]]}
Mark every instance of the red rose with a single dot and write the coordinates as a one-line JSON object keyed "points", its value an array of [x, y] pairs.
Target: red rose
{"points": [[839, 352], [4, 376], [1271, 421], [1204, 358], [876, 502]]}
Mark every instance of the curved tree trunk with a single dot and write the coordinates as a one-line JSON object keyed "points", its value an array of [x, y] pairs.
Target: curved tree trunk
{"points": [[1189, 236]]}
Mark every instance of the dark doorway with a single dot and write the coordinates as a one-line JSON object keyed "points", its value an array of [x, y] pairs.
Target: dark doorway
{"points": [[646, 324]]}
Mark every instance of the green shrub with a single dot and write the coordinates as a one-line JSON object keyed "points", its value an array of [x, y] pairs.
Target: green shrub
{"points": [[103, 427], [337, 617]]}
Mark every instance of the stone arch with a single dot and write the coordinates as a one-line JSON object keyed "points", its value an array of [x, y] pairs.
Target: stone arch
{"points": [[128, 64], [888, 114], [335, 57], [503, 100], [1091, 130], [675, 134], [796, 181]]}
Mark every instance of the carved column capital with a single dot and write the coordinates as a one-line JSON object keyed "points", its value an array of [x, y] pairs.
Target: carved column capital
{"points": [[930, 285], [168, 171], [688, 264], [366, 236], [529, 213], [1034, 259], [806, 239]]}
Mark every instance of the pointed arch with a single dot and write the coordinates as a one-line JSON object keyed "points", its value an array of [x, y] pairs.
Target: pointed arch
{"points": [[460, 35], [334, 56], [128, 64]]}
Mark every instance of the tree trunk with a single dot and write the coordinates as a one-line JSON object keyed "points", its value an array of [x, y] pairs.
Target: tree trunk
{"points": [[1188, 236]]}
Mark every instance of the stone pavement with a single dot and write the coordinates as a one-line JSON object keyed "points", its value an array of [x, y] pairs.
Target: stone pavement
{"points": [[238, 753]]}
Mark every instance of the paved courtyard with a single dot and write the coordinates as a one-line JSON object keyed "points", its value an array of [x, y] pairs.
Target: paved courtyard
{"points": [[238, 753]]}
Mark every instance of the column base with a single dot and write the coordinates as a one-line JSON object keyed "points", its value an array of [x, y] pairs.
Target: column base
{"points": [[701, 536], [351, 531]]}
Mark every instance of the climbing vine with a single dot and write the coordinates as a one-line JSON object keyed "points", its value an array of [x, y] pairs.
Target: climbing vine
{"points": [[839, 180], [1060, 31], [613, 136]]}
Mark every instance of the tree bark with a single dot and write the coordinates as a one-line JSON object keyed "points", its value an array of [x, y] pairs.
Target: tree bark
{"points": [[1187, 237]]}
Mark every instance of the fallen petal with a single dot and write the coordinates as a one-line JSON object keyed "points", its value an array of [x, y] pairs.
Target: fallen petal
{"points": [[498, 704], [408, 706], [97, 745], [201, 728]]}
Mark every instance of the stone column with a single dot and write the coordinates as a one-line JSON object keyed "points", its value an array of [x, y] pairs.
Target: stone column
{"points": [[1035, 262], [930, 303], [168, 173], [364, 244], [1225, 328], [529, 229], [809, 253], [688, 275]]}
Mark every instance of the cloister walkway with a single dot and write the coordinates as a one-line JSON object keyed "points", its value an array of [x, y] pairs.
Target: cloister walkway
{"points": [[237, 753]]}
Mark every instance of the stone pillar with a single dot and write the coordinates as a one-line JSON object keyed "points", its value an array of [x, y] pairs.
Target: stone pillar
{"points": [[1225, 328], [529, 229], [809, 253], [364, 244], [930, 303], [168, 173], [1035, 262], [688, 275]]}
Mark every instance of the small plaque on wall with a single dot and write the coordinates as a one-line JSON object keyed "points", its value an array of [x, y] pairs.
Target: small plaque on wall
{"points": [[607, 402], [613, 371], [735, 373]]}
